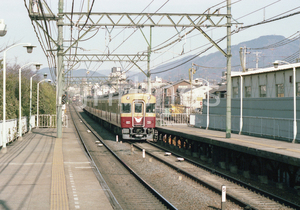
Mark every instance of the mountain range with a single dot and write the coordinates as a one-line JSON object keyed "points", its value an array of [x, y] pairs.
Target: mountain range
{"points": [[262, 51], [269, 48]]}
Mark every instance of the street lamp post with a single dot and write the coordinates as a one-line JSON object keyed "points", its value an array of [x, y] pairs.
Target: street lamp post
{"points": [[30, 100], [2, 28], [193, 71], [207, 116], [37, 99], [207, 110], [29, 50], [38, 65], [276, 63]]}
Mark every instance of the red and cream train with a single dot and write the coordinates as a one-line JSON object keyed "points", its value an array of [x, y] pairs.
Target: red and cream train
{"points": [[131, 116]]}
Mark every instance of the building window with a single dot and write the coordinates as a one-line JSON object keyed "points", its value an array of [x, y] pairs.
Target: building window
{"points": [[263, 91], [298, 89], [235, 93], [280, 90], [248, 91]]}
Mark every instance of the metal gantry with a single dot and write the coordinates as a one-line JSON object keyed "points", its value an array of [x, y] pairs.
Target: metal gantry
{"points": [[136, 20], [39, 11]]}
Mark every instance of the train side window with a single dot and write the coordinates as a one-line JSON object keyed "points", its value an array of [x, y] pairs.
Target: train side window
{"points": [[126, 107], [150, 108], [138, 108]]}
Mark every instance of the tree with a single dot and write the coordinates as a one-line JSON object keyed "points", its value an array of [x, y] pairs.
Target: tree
{"points": [[47, 93]]}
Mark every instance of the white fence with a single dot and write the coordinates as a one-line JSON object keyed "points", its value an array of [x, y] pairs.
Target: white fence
{"points": [[49, 121], [165, 119], [12, 128], [279, 128]]}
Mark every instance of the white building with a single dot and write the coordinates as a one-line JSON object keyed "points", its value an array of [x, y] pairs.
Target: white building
{"points": [[194, 98], [117, 76]]}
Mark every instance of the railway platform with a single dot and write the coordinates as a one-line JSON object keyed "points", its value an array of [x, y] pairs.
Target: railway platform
{"points": [[268, 148], [45, 172], [269, 161]]}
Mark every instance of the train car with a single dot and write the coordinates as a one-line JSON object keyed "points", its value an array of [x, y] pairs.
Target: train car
{"points": [[131, 116]]}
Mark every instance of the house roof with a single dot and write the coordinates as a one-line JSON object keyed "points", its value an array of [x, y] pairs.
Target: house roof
{"points": [[266, 70], [175, 83], [222, 88]]}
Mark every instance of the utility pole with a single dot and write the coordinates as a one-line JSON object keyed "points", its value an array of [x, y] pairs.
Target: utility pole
{"points": [[228, 77], [257, 58], [60, 68], [243, 58], [192, 71], [148, 62]]}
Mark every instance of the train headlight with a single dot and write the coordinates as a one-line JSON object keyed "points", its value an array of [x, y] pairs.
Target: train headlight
{"points": [[127, 97], [125, 130], [149, 97]]}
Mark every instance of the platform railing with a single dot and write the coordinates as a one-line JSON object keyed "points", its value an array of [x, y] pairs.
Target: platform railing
{"points": [[49, 121], [12, 129], [167, 119]]}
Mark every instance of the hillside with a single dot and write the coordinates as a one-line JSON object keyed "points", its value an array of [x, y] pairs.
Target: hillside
{"points": [[75, 73], [217, 59]]}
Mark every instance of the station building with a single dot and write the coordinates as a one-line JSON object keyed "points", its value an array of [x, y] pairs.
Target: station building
{"points": [[262, 103]]}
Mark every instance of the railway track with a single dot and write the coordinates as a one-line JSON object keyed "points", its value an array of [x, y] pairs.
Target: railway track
{"points": [[182, 193], [127, 189], [247, 196], [242, 193]]}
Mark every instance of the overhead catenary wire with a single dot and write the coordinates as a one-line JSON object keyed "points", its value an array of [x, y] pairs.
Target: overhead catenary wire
{"points": [[269, 20], [178, 40], [183, 36], [49, 56], [138, 28], [272, 19]]}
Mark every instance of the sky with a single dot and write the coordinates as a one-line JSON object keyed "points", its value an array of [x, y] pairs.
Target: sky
{"points": [[245, 12]]}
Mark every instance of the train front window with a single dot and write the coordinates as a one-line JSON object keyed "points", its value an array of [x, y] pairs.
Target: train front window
{"points": [[138, 108], [150, 108], [126, 107]]}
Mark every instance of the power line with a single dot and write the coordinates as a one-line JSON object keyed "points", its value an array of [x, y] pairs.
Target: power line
{"points": [[285, 41], [271, 20]]}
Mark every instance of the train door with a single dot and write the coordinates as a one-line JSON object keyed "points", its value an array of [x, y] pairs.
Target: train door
{"points": [[138, 115]]}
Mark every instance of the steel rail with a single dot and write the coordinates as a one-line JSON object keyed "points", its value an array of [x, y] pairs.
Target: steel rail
{"points": [[143, 182], [189, 175], [110, 196], [232, 179]]}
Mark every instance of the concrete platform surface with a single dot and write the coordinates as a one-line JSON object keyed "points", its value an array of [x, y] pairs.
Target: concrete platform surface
{"points": [[44, 172]]}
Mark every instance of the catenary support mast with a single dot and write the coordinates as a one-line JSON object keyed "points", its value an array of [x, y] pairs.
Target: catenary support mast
{"points": [[60, 68], [228, 76]]}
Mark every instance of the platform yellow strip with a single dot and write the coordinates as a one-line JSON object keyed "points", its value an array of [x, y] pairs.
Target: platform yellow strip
{"points": [[59, 198]]}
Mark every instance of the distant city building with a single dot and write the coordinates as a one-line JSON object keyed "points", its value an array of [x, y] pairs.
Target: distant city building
{"points": [[117, 76], [194, 98], [219, 91]]}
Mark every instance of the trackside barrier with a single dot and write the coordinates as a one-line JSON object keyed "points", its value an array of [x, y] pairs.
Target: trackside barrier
{"points": [[165, 119], [12, 129]]}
